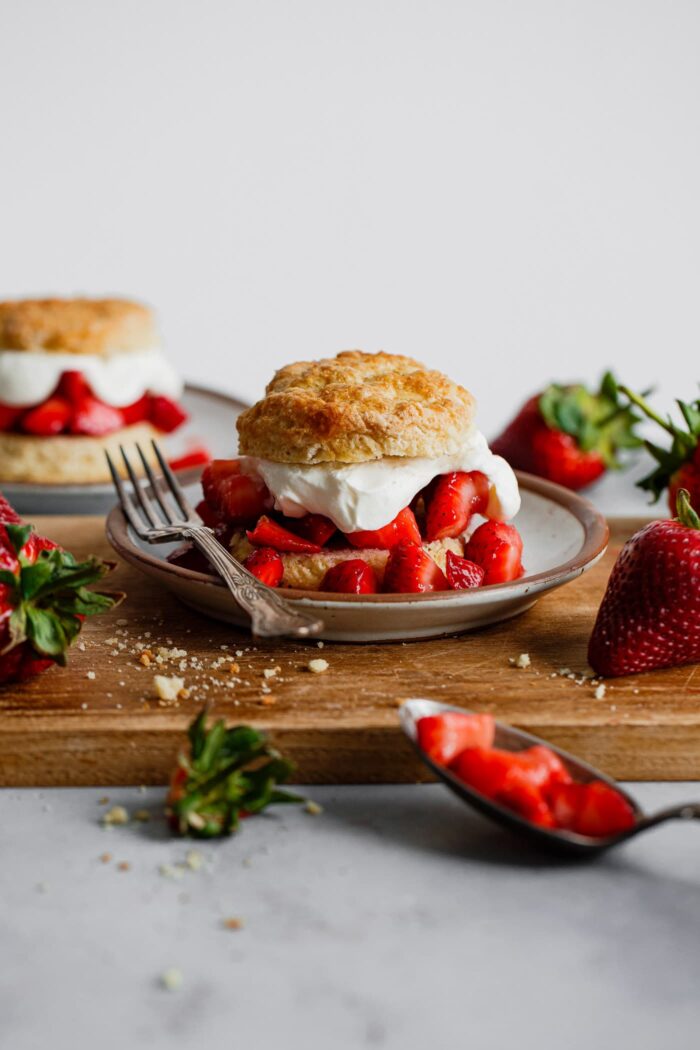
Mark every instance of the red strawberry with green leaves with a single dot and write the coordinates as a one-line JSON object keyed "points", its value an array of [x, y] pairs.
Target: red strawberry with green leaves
{"points": [[227, 774], [678, 466], [650, 613], [569, 435], [43, 598]]}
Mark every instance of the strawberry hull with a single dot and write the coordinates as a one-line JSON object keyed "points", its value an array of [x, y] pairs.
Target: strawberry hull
{"points": [[43, 598]]}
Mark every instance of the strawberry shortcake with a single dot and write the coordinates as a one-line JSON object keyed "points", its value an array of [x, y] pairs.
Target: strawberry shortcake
{"points": [[364, 473], [78, 376]]}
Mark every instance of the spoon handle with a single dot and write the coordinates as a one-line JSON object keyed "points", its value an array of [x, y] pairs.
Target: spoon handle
{"points": [[684, 811]]}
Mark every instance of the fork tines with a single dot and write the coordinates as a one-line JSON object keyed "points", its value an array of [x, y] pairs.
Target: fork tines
{"points": [[148, 508]]}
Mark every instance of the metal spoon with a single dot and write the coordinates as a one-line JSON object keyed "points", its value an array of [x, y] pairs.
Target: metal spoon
{"points": [[511, 739]]}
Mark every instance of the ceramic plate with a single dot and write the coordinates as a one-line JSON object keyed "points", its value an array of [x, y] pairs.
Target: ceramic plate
{"points": [[563, 535], [211, 423]]}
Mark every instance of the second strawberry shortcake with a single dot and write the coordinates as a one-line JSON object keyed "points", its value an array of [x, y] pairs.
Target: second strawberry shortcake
{"points": [[364, 473]]}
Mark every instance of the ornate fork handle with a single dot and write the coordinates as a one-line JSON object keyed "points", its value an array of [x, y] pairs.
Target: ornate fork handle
{"points": [[270, 615]]}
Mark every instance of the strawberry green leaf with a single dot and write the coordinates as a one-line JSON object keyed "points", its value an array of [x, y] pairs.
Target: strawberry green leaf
{"points": [[684, 509], [18, 535], [7, 578], [598, 422], [684, 443]]}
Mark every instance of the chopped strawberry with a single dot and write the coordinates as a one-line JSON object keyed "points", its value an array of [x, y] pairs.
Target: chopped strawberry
{"points": [[409, 570], [137, 411], [452, 501], [266, 565], [544, 766], [209, 515], [165, 414], [593, 809], [486, 769], [242, 498], [520, 780], [196, 457], [314, 527], [461, 573], [445, 736], [9, 415], [403, 529], [48, 419], [74, 386], [95, 418], [267, 533], [497, 548], [350, 577], [521, 795], [213, 475]]}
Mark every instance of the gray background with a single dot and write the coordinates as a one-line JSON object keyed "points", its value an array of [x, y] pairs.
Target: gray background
{"points": [[508, 190]]}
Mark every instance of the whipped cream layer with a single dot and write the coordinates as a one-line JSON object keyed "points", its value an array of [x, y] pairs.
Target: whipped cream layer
{"points": [[359, 496], [28, 377]]}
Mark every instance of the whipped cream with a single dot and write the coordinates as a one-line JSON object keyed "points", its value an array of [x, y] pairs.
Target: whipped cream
{"points": [[359, 496], [28, 377]]}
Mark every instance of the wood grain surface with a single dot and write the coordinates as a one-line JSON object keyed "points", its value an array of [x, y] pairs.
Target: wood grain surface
{"points": [[68, 727]]}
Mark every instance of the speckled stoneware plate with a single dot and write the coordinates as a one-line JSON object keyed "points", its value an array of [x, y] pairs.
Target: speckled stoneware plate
{"points": [[563, 535], [211, 423]]}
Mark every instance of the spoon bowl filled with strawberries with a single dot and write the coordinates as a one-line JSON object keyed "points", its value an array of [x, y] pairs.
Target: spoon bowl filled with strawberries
{"points": [[526, 785]]}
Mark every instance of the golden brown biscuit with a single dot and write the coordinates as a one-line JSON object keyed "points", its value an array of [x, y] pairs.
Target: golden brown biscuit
{"points": [[356, 407], [306, 571], [69, 459], [76, 326]]}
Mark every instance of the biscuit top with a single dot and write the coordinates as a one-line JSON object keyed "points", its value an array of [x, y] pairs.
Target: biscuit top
{"points": [[76, 326], [354, 408]]}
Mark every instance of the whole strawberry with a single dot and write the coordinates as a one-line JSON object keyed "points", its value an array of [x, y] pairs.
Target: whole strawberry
{"points": [[43, 598], [650, 613], [568, 434], [678, 466]]}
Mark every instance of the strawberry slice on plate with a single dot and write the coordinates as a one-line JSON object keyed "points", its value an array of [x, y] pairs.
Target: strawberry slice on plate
{"points": [[195, 457], [316, 528], [93, 417], [446, 735], [350, 577], [242, 498], [267, 533], [403, 529], [165, 414], [409, 570], [48, 419], [497, 547], [452, 501], [266, 565], [461, 573], [9, 415]]}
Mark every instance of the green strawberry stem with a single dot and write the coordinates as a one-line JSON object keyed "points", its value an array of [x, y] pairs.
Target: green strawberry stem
{"points": [[684, 510], [646, 408]]}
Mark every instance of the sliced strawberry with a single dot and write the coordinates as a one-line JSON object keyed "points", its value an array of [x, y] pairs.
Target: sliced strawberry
{"points": [[95, 418], [267, 533], [526, 799], [214, 474], [137, 411], [196, 457], [314, 527], [445, 736], [409, 570], [165, 414], [484, 768], [350, 577], [504, 777], [452, 501], [9, 415], [544, 766], [403, 529], [48, 419], [74, 386], [461, 573], [593, 809], [242, 498], [497, 548], [209, 515], [266, 565]]}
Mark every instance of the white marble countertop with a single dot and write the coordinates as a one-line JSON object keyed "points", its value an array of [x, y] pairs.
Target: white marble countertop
{"points": [[397, 918]]}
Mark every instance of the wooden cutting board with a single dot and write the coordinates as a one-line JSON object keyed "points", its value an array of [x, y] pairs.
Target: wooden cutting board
{"points": [[99, 721]]}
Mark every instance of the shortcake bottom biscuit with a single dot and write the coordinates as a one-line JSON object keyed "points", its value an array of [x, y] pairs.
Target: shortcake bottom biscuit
{"points": [[67, 459], [306, 571]]}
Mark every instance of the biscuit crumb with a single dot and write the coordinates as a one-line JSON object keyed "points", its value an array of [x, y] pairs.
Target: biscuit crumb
{"points": [[521, 661], [91, 675], [318, 666], [105, 857], [124, 865], [313, 808], [194, 859], [232, 923], [168, 688], [600, 691], [116, 815], [172, 979]]}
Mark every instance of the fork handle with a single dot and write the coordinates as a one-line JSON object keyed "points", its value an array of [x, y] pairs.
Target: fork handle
{"points": [[271, 616]]}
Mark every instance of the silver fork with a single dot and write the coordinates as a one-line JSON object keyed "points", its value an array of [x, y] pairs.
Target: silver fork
{"points": [[158, 521]]}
